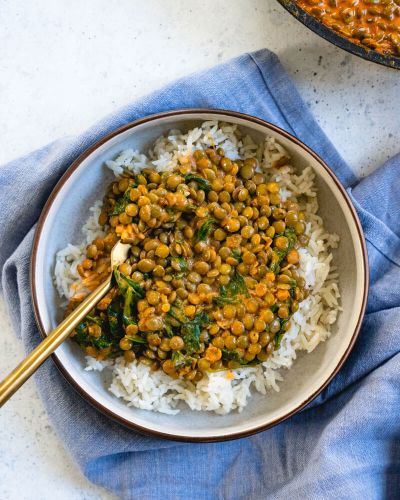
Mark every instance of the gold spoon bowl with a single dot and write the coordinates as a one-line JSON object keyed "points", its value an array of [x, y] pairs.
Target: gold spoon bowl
{"points": [[31, 363]]}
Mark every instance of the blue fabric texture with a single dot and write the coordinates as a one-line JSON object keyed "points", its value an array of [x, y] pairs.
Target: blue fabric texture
{"points": [[345, 444]]}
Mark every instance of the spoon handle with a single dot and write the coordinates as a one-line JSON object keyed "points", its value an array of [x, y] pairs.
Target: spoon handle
{"points": [[32, 362]]}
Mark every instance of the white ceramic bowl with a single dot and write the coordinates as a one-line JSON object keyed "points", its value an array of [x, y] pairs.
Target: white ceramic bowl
{"points": [[61, 222]]}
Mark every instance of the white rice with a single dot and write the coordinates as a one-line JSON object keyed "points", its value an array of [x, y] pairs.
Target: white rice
{"points": [[225, 391], [67, 259]]}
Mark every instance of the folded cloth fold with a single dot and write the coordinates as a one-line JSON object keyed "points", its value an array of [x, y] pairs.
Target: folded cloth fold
{"points": [[346, 443]]}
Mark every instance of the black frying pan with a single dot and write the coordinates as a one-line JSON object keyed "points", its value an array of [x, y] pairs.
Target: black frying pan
{"points": [[338, 40]]}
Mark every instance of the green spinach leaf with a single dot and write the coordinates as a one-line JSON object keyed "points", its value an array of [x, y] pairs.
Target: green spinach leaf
{"points": [[94, 319], [236, 254], [202, 183], [81, 336], [101, 342], [191, 331], [180, 360], [113, 312], [205, 229], [234, 356], [281, 333], [182, 263], [123, 283], [290, 234], [136, 339], [121, 203], [229, 294]]}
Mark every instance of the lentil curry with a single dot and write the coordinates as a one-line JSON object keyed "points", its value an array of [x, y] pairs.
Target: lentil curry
{"points": [[212, 279], [372, 23]]}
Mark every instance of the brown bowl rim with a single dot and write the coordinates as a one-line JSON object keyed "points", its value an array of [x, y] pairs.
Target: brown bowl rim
{"points": [[41, 222]]}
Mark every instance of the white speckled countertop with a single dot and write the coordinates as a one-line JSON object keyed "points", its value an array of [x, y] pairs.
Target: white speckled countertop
{"points": [[65, 64]]}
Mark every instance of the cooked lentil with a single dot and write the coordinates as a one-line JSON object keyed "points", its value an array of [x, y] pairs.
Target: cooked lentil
{"points": [[211, 281], [371, 23]]}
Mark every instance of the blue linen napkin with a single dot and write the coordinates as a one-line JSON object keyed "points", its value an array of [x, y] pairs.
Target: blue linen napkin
{"points": [[343, 445]]}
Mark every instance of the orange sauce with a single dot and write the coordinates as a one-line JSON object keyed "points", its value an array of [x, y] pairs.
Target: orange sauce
{"points": [[374, 24]]}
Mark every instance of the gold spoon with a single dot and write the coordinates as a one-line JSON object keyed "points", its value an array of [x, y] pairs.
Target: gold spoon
{"points": [[32, 362]]}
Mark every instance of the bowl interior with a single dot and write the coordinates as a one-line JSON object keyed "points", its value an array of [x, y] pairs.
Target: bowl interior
{"points": [[310, 372]]}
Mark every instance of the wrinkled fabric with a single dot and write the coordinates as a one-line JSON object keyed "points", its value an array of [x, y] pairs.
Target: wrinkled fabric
{"points": [[345, 444]]}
